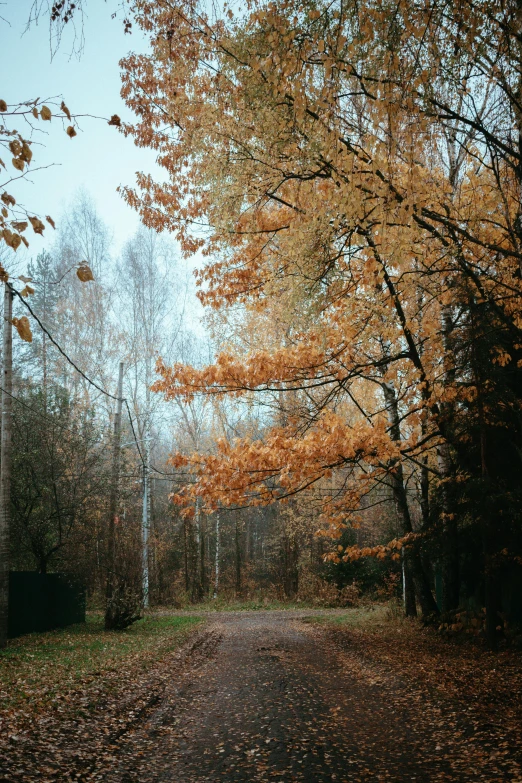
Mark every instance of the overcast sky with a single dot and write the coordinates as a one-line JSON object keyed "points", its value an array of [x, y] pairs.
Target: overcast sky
{"points": [[99, 158]]}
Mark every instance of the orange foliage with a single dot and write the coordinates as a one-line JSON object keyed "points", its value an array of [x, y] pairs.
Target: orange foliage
{"points": [[336, 159]]}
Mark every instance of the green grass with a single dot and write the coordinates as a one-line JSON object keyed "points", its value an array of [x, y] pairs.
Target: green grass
{"points": [[243, 605], [371, 618], [36, 668]]}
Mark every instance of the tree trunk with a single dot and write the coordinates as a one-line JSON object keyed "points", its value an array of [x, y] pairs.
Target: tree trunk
{"points": [[145, 514], [408, 587], [290, 569], [450, 568], [517, 107], [489, 533], [216, 563], [203, 558], [197, 588], [412, 560], [238, 557], [425, 486], [185, 554], [491, 581], [491, 600], [113, 508], [5, 464], [450, 548]]}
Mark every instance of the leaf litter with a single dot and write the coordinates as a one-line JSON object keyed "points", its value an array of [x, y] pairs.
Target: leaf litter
{"points": [[265, 697]]}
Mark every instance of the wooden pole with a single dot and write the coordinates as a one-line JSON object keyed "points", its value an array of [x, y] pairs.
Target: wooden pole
{"points": [[145, 525], [113, 506], [5, 466]]}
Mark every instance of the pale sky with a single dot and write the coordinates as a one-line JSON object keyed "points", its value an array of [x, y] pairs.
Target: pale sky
{"points": [[99, 158]]}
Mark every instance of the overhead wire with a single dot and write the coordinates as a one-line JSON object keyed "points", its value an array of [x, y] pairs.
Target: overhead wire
{"points": [[38, 413], [73, 364], [58, 346], [133, 431]]}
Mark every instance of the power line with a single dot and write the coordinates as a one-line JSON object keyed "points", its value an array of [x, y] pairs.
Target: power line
{"points": [[162, 472], [67, 427], [58, 346], [89, 380], [38, 413], [75, 366], [134, 432], [151, 467], [29, 408]]}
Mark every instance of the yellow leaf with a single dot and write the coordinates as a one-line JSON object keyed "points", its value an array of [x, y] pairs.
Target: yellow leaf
{"points": [[65, 110], [11, 239], [26, 152], [23, 328], [27, 291], [38, 226], [25, 279], [16, 240], [45, 113], [84, 273]]}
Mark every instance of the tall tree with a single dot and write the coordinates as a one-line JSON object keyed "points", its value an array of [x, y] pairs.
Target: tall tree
{"points": [[318, 144]]}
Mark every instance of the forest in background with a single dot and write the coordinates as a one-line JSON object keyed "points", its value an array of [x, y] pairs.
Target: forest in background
{"points": [[134, 310]]}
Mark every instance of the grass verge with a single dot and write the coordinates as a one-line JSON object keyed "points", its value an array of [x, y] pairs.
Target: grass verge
{"points": [[372, 618], [38, 669], [245, 605], [241, 605]]}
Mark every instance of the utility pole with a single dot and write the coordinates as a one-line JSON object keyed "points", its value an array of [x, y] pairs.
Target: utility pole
{"points": [[5, 457], [44, 344], [146, 485], [113, 506], [145, 523]]}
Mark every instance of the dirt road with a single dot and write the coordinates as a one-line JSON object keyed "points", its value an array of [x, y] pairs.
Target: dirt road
{"points": [[265, 697], [278, 702]]}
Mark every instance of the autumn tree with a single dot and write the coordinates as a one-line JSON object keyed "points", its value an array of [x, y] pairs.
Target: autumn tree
{"points": [[369, 156]]}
